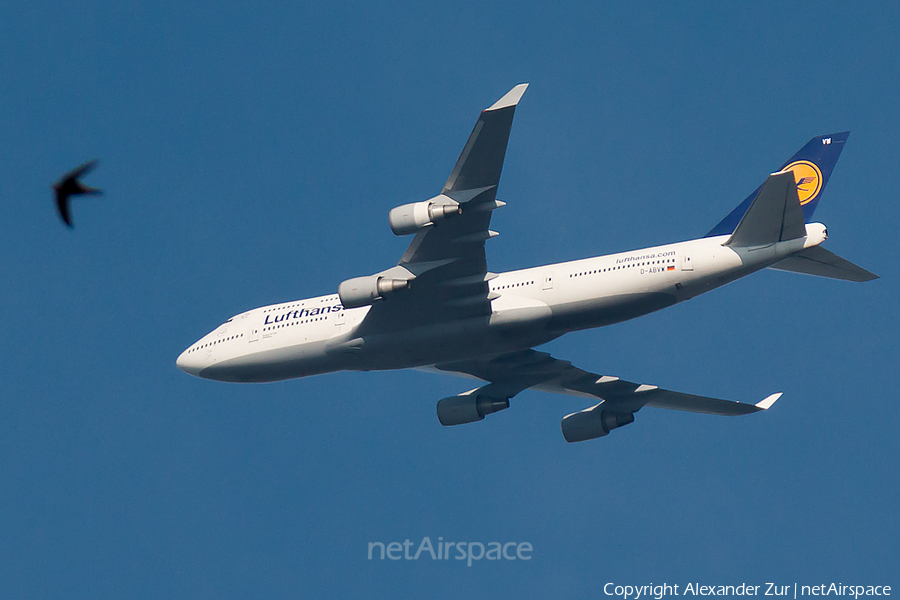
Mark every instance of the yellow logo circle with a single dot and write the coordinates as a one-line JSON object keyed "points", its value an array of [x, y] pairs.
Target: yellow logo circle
{"points": [[808, 178]]}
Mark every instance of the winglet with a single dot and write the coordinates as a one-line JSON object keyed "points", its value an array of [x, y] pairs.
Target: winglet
{"points": [[768, 402], [511, 98]]}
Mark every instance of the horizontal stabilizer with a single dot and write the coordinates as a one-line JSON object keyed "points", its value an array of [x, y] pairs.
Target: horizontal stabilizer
{"points": [[819, 261], [774, 216]]}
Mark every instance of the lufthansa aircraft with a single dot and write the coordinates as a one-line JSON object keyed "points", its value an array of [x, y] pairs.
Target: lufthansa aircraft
{"points": [[441, 309]]}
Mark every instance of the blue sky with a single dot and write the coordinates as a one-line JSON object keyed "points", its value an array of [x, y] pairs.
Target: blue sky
{"points": [[249, 155]]}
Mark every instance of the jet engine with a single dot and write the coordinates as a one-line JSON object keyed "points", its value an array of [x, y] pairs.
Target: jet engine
{"points": [[362, 291], [593, 423], [468, 408], [410, 218]]}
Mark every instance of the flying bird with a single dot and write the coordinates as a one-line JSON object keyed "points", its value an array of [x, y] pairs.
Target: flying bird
{"points": [[69, 186]]}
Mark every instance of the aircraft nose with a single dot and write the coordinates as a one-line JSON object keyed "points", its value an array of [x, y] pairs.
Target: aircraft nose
{"points": [[190, 362]]}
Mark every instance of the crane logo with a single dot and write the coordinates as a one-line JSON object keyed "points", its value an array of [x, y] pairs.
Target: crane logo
{"points": [[808, 178]]}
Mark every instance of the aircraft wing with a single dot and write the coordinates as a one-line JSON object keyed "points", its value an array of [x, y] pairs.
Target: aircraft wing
{"points": [[447, 260], [512, 373], [473, 183]]}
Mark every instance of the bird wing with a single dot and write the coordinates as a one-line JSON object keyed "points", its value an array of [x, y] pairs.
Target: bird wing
{"points": [[62, 206], [79, 171]]}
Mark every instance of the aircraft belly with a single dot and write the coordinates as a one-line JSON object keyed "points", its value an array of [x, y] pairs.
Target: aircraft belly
{"points": [[607, 310], [439, 343]]}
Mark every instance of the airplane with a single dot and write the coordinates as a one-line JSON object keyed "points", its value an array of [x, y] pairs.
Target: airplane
{"points": [[441, 310]]}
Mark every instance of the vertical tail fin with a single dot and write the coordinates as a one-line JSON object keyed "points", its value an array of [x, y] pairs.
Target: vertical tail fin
{"points": [[812, 166]]}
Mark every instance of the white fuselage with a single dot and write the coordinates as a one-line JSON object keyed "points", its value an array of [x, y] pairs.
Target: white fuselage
{"points": [[529, 307]]}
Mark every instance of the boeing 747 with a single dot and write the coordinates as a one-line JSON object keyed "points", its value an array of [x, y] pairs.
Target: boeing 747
{"points": [[441, 309]]}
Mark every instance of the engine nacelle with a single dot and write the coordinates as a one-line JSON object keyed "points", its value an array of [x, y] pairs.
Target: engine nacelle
{"points": [[363, 291], [410, 218], [468, 408], [593, 423]]}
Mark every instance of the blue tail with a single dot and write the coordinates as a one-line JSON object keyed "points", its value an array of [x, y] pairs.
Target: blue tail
{"points": [[812, 166]]}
